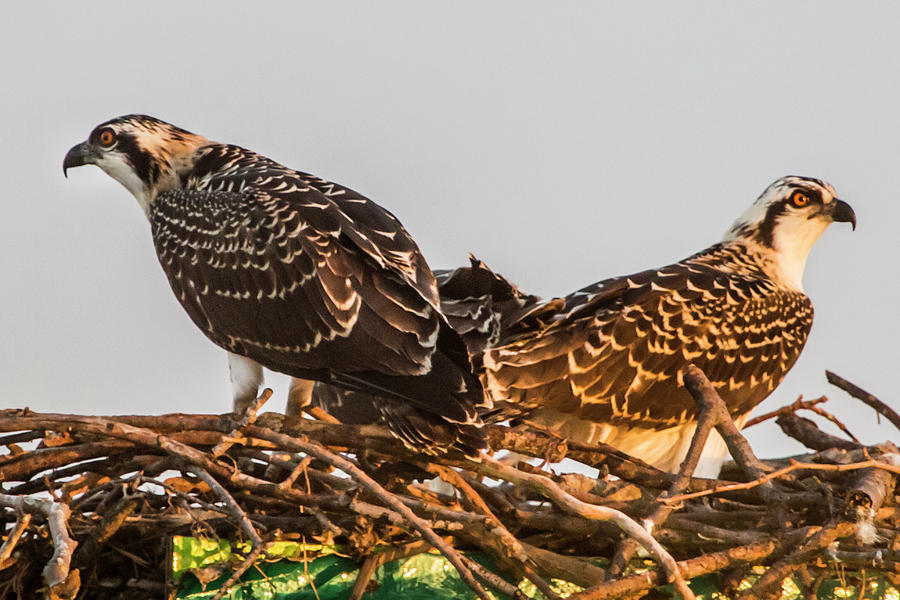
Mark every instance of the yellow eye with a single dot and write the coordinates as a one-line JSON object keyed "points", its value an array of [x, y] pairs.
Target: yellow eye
{"points": [[106, 138], [799, 199]]}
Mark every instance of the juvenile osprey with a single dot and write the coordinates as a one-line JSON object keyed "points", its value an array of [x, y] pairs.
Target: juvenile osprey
{"points": [[604, 364], [288, 271]]}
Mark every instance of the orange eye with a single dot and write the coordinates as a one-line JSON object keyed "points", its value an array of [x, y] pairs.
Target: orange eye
{"points": [[800, 199], [106, 138]]}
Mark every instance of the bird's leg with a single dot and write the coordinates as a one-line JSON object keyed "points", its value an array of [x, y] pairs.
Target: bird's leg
{"points": [[246, 378], [299, 396], [300, 401]]}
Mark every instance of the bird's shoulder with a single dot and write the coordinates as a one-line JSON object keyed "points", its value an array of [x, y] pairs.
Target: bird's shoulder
{"points": [[259, 192], [719, 278], [719, 282]]}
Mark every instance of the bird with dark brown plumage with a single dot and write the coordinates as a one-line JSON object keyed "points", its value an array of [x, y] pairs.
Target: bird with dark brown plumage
{"points": [[294, 273]]}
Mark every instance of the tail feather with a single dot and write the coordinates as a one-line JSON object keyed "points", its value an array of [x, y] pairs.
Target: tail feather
{"points": [[418, 429], [442, 409], [480, 304]]}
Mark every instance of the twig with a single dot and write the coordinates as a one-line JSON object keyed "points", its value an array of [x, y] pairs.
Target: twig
{"points": [[296, 472], [790, 409], [248, 562], [552, 491], [840, 425], [879, 559], [706, 397], [542, 445], [775, 574], [808, 433], [320, 413], [367, 570], [566, 568], [510, 545], [18, 438], [495, 581], [709, 417], [234, 509], [711, 532], [630, 586], [26, 465], [249, 416], [12, 538], [302, 444], [56, 572], [793, 466], [364, 575], [865, 397]]}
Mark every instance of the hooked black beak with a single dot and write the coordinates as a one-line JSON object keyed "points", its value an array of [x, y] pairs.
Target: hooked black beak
{"points": [[842, 213], [79, 155]]}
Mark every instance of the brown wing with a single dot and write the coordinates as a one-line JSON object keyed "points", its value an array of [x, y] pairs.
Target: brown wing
{"points": [[285, 294], [616, 356], [477, 303], [269, 266]]}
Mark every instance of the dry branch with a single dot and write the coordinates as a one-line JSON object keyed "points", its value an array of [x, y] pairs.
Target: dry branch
{"points": [[56, 571], [299, 444], [790, 409], [865, 397], [574, 506], [710, 415], [12, 538], [132, 481]]}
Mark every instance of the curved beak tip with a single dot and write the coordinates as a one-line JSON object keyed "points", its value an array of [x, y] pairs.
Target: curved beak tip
{"points": [[77, 156], [843, 213]]}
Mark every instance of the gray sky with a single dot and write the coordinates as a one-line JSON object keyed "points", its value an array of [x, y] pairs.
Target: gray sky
{"points": [[561, 142]]}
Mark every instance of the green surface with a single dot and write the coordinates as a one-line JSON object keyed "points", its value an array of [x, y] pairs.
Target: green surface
{"points": [[325, 575]]}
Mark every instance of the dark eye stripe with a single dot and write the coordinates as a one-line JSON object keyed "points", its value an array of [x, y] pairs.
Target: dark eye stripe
{"points": [[766, 231], [144, 167], [814, 195]]}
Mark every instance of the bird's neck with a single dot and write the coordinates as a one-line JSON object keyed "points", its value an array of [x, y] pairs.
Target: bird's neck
{"points": [[792, 241], [784, 264], [174, 162]]}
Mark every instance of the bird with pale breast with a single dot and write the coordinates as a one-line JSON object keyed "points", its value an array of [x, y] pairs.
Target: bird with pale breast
{"points": [[605, 363]]}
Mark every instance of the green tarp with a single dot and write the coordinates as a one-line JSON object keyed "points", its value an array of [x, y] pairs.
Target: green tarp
{"points": [[328, 576]]}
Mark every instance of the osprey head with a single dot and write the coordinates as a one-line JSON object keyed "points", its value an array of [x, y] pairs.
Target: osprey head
{"points": [[786, 220], [143, 153]]}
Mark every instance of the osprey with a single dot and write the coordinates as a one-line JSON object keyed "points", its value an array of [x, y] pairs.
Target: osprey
{"points": [[294, 273], [604, 364]]}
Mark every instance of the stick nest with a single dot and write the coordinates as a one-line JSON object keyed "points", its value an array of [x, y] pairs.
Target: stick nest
{"points": [[91, 503]]}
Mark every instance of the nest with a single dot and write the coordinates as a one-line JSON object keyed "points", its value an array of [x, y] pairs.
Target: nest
{"points": [[93, 502]]}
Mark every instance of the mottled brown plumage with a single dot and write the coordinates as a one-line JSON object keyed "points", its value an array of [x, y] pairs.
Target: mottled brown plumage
{"points": [[605, 363], [614, 351], [480, 305], [293, 272]]}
